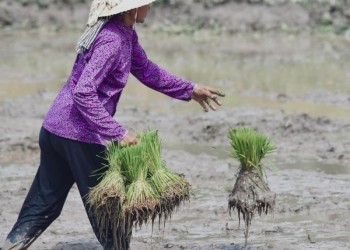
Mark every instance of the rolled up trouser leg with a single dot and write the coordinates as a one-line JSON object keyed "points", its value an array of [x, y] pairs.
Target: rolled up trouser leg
{"points": [[22, 237]]}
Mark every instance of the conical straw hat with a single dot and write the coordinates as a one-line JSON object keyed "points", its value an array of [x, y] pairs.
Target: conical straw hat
{"points": [[105, 8]]}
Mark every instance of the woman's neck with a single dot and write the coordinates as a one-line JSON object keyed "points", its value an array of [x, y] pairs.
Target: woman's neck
{"points": [[127, 19]]}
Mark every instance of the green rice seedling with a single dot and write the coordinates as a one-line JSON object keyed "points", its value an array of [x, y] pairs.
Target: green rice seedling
{"points": [[139, 192], [251, 192], [171, 187], [112, 156], [173, 190], [163, 179], [250, 147], [141, 199], [136, 187], [106, 200]]}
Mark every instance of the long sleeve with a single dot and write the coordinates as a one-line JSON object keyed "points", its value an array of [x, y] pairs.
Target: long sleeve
{"points": [[156, 77], [104, 60]]}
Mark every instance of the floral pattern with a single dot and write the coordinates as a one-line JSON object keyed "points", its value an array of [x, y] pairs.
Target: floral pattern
{"points": [[84, 108]]}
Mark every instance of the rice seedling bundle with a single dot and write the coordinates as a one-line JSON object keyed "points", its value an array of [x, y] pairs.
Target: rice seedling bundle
{"points": [[106, 198], [172, 189], [139, 188], [251, 192]]}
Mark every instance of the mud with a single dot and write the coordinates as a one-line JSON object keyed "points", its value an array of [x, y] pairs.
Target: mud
{"points": [[250, 196], [309, 204], [309, 123]]}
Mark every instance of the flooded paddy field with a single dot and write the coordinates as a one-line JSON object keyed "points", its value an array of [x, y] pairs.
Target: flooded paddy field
{"points": [[294, 88]]}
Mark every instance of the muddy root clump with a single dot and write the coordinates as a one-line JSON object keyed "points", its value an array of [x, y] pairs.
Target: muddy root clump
{"points": [[250, 195]]}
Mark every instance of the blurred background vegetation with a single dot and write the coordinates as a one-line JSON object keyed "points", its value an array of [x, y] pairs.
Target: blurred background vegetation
{"points": [[222, 15], [263, 49]]}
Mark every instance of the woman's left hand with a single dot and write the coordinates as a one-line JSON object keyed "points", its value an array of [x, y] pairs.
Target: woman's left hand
{"points": [[204, 95]]}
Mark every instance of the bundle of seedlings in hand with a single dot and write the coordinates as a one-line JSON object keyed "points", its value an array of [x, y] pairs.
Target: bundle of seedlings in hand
{"points": [[251, 192], [141, 199], [106, 198], [136, 187], [172, 188]]}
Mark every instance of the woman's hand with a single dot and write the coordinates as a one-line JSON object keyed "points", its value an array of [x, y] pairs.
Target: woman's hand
{"points": [[129, 139], [203, 95]]}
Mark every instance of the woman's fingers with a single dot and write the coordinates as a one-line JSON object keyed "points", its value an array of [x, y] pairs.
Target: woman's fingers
{"points": [[128, 143], [213, 94], [129, 139], [214, 97], [202, 103], [216, 92], [207, 101], [204, 95], [216, 100]]}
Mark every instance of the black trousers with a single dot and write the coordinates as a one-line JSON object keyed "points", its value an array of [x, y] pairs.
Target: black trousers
{"points": [[63, 162]]}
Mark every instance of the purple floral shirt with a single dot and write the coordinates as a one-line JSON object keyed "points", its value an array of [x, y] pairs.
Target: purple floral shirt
{"points": [[84, 108]]}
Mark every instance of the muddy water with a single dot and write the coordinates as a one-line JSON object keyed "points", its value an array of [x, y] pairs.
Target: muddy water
{"points": [[303, 211], [281, 85], [320, 167], [41, 61], [15, 90], [205, 223]]}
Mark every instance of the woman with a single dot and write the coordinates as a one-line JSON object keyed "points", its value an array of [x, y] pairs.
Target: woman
{"points": [[79, 124]]}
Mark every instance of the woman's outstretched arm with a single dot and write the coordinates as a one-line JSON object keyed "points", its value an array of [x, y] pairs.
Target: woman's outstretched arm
{"points": [[161, 80], [157, 78]]}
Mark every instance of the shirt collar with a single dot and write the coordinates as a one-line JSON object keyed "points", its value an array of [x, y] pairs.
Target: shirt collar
{"points": [[127, 30]]}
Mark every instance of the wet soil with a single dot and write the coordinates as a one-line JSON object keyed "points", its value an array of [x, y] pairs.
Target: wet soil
{"points": [[309, 123], [250, 196]]}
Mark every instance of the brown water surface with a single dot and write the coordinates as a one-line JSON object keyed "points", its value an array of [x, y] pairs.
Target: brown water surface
{"points": [[298, 74]]}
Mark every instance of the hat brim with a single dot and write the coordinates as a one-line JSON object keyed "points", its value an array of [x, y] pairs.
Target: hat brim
{"points": [[129, 5], [101, 10]]}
